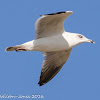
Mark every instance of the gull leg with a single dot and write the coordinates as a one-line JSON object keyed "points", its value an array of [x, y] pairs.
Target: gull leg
{"points": [[20, 49]]}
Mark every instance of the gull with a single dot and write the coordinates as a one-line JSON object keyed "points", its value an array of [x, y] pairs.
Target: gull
{"points": [[53, 41]]}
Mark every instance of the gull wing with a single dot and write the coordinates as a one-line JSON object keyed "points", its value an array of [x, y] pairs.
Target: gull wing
{"points": [[52, 64], [51, 24]]}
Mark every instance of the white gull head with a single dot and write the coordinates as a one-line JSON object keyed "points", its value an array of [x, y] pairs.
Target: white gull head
{"points": [[75, 39]]}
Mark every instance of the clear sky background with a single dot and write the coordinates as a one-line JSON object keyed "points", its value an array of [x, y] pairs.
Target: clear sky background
{"points": [[79, 79]]}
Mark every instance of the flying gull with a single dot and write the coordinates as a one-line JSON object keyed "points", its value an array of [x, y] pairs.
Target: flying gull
{"points": [[53, 41]]}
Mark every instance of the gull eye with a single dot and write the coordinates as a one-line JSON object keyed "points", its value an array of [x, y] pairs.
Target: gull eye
{"points": [[80, 36]]}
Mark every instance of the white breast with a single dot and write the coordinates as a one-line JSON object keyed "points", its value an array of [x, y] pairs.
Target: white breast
{"points": [[47, 44]]}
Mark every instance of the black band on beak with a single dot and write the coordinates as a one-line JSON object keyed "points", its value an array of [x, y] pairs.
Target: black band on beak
{"points": [[92, 41]]}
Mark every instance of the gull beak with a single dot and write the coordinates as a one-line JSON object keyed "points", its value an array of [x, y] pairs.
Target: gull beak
{"points": [[90, 41]]}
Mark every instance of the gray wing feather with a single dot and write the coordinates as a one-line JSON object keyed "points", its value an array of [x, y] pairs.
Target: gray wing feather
{"points": [[51, 24], [52, 64]]}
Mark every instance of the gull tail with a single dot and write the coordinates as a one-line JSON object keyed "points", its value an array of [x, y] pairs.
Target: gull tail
{"points": [[15, 48]]}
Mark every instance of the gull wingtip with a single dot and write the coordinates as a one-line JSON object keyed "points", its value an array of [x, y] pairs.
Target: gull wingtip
{"points": [[40, 83], [71, 12]]}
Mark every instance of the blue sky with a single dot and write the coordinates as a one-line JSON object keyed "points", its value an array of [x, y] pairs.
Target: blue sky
{"points": [[79, 79]]}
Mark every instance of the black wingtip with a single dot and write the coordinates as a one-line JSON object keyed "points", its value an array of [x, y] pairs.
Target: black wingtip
{"points": [[55, 13], [59, 13], [40, 84]]}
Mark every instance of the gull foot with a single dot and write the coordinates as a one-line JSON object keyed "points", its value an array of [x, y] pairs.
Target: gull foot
{"points": [[20, 49]]}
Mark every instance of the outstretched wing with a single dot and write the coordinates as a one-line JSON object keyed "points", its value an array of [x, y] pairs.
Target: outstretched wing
{"points": [[52, 64], [51, 24]]}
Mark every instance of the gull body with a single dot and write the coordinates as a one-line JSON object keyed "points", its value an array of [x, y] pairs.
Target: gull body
{"points": [[54, 42], [60, 42]]}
